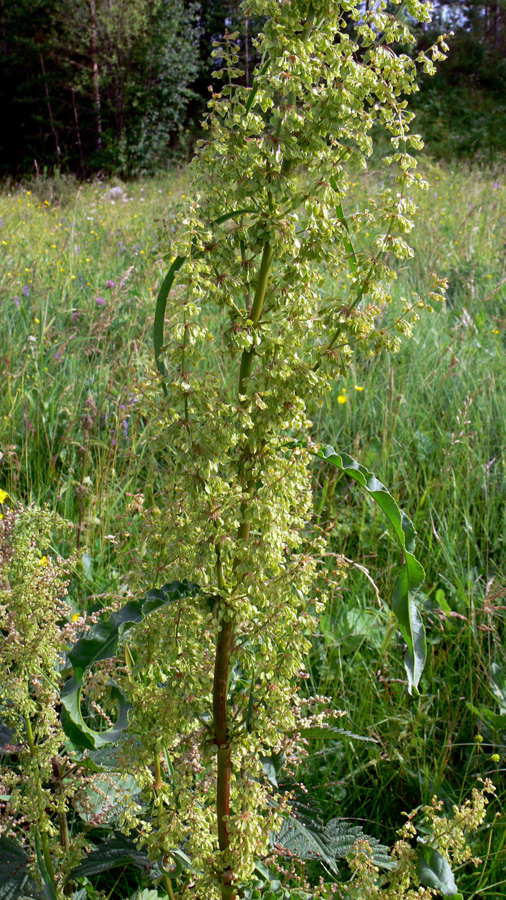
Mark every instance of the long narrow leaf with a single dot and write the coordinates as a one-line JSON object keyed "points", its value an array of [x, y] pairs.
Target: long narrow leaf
{"points": [[254, 89], [161, 306], [348, 246], [166, 286], [100, 644], [411, 574], [47, 883]]}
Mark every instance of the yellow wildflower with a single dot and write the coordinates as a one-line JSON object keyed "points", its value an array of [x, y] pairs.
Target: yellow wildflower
{"points": [[358, 387], [342, 398], [3, 496], [43, 561]]}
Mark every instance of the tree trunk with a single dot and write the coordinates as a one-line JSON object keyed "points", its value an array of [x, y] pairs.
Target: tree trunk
{"points": [[95, 75]]}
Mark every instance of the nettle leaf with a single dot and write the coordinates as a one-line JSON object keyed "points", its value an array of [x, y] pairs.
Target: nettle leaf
{"points": [[106, 797], [100, 644], [434, 871], [117, 851], [15, 880], [5, 737], [303, 835], [411, 574]]}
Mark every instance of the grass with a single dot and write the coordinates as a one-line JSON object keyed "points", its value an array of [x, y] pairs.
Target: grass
{"points": [[81, 265]]}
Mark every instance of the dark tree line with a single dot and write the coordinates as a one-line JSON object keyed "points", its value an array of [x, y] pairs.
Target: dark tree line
{"points": [[95, 84], [462, 109], [120, 85]]}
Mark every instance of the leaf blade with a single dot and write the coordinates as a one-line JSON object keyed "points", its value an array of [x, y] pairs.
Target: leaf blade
{"points": [[434, 871], [101, 644], [411, 574]]}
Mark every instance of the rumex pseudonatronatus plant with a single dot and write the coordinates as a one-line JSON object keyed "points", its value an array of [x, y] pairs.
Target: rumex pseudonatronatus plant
{"points": [[209, 675], [265, 244]]}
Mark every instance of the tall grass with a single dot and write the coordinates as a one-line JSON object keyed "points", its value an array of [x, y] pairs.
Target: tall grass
{"points": [[80, 268], [431, 423]]}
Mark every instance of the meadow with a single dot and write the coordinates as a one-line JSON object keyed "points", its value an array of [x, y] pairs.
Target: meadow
{"points": [[81, 266]]}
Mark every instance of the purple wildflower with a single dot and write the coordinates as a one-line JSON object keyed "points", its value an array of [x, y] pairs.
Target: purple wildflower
{"points": [[26, 292], [75, 314], [100, 301], [109, 284], [125, 427], [16, 300]]}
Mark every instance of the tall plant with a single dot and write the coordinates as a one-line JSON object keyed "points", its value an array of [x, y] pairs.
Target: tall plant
{"points": [[268, 301]]}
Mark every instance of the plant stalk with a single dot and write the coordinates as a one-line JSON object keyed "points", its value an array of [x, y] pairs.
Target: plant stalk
{"points": [[46, 851], [256, 312]]}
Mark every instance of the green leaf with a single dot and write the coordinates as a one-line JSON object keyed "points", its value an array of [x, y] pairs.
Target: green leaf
{"points": [[117, 851], [306, 838], [161, 305], [15, 880], [76, 728], [168, 281], [106, 796], [348, 246], [493, 719], [100, 644], [5, 738], [434, 871], [333, 733], [411, 574], [498, 685], [47, 883]]}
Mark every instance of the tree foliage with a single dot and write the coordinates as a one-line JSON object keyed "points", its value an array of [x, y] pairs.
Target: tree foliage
{"points": [[90, 84], [113, 84]]}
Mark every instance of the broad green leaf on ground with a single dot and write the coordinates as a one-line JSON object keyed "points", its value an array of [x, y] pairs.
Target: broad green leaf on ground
{"points": [[434, 871], [15, 879], [411, 574], [100, 644]]}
